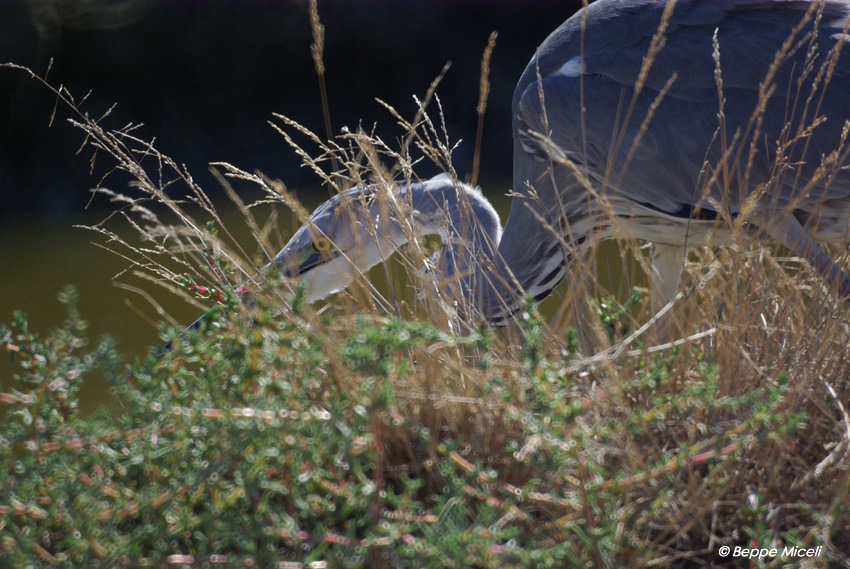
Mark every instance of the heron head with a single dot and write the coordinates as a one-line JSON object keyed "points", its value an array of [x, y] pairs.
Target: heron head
{"points": [[342, 239], [360, 227]]}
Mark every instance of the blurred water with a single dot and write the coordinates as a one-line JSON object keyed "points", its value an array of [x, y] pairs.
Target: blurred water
{"points": [[38, 260]]}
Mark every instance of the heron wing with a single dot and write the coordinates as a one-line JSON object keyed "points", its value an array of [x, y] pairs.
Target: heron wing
{"points": [[662, 145]]}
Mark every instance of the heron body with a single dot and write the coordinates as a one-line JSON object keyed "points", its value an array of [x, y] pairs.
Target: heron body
{"points": [[743, 110]]}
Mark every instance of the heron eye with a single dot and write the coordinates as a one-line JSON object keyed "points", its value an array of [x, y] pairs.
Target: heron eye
{"points": [[322, 244]]}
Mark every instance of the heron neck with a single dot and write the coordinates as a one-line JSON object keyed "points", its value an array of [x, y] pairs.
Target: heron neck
{"points": [[488, 274], [473, 272]]}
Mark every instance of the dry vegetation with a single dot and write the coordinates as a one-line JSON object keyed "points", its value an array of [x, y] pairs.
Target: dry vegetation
{"points": [[370, 431]]}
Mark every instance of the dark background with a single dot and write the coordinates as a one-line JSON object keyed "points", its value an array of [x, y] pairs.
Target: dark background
{"points": [[205, 77]]}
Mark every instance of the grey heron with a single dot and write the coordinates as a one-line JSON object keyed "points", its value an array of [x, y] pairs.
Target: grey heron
{"points": [[644, 119]]}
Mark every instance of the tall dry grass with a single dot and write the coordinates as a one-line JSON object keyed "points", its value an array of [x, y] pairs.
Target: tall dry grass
{"points": [[734, 431]]}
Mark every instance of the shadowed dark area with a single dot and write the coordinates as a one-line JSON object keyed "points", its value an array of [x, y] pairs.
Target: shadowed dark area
{"points": [[205, 77]]}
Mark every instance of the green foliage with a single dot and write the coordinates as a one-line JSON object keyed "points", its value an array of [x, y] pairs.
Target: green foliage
{"points": [[617, 318], [307, 439]]}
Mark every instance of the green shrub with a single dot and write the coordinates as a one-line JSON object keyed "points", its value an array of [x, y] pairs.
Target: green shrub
{"points": [[346, 441]]}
